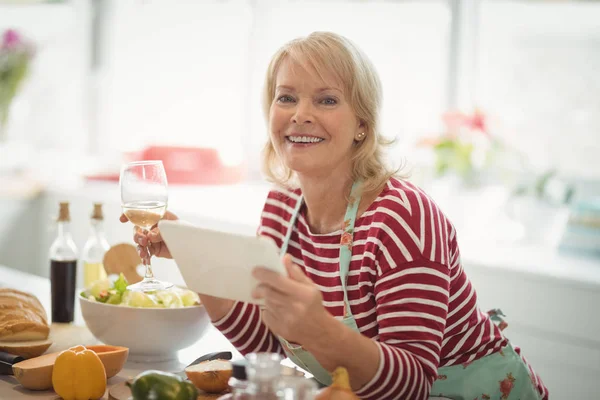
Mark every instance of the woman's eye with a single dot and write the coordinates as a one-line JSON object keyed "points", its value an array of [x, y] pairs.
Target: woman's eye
{"points": [[285, 99], [329, 101]]}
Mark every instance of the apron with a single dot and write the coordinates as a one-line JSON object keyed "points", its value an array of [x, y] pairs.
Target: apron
{"points": [[296, 353], [502, 375]]}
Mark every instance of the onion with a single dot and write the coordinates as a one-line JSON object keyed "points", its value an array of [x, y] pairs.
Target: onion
{"points": [[210, 376]]}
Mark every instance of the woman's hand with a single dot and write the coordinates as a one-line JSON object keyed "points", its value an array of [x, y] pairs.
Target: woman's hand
{"points": [[293, 304], [152, 240], [294, 310]]}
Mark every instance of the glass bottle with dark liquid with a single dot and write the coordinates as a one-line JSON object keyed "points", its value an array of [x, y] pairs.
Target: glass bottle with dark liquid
{"points": [[63, 269]]}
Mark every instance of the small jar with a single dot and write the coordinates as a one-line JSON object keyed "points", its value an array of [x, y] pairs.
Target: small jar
{"points": [[296, 388], [264, 370], [238, 383]]}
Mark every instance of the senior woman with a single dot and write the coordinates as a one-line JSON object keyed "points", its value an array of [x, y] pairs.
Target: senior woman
{"points": [[375, 282]]}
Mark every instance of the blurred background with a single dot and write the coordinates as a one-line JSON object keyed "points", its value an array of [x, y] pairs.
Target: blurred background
{"points": [[494, 105]]}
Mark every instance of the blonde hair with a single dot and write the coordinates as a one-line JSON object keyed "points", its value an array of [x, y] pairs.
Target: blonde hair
{"points": [[329, 52]]}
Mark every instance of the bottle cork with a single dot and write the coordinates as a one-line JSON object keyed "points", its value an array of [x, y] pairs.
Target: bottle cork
{"points": [[63, 212], [97, 213]]}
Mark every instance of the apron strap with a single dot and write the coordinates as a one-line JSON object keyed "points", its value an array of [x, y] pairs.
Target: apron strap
{"points": [[345, 241], [296, 352], [290, 229]]}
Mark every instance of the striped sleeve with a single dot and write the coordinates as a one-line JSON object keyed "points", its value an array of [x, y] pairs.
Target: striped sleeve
{"points": [[244, 328], [412, 305]]}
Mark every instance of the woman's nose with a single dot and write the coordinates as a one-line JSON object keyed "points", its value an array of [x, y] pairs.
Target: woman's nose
{"points": [[303, 113]]}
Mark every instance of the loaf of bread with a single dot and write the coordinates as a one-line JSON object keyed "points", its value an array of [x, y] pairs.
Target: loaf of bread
{"points": [[22, 317]]}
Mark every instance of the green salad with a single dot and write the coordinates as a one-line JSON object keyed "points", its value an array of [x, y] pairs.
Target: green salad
{"points": [[116, 293]]}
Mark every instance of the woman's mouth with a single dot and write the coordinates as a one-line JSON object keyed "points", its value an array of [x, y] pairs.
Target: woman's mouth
{"points": [[303, 140]]}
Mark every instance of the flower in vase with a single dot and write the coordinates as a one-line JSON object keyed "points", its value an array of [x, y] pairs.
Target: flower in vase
{"points": [[11, 39], [464, 146]]}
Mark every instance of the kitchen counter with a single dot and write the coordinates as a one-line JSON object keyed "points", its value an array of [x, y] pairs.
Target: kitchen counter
{"points": [[67, 335]]}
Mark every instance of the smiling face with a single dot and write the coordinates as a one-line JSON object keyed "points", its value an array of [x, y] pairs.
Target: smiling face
{"points": [[311, 123]]}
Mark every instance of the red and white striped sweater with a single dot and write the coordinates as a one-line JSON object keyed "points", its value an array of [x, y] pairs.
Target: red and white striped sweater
{"points": [[406, 287]]}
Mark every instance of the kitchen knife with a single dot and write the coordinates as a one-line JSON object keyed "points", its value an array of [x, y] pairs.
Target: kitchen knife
{"points": [[6, 362], [219, 355]]}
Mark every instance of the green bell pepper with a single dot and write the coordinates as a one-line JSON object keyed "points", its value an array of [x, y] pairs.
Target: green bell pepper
{"points": [[158, 385]]}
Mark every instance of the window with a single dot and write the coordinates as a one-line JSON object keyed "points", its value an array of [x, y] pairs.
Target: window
{"points": [[538, 64], [191, 73], [175, 73]]}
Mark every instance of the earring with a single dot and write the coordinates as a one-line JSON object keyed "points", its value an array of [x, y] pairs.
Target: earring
{"points": [[360, 136]]}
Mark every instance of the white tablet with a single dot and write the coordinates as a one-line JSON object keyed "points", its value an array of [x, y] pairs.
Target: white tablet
{"points": [[218, 263]]}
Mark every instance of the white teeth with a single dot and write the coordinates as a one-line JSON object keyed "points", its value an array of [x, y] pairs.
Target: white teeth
{"points": [[304, 139]]}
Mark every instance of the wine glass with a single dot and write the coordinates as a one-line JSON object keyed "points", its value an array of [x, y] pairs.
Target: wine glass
{"points": [[144, 202]]}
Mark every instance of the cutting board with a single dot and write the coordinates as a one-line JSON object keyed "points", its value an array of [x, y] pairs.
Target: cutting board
{"points": [[122, 392]]}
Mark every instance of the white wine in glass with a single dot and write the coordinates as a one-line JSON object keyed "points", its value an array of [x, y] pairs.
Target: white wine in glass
{"points": [[145, 214], [144, 201]]}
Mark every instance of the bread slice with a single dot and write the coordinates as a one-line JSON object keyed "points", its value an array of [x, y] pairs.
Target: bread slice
{"points": [[25, 349]]}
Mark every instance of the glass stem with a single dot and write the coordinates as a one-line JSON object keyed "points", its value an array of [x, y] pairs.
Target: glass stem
{"points": [[149, 274]]}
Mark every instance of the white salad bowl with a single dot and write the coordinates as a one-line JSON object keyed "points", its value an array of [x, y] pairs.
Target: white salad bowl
{"points": [[151, 334]]}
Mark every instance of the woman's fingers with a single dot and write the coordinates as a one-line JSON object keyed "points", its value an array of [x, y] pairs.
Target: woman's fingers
{"points": [[154, 236], [294, 271], [268, 317], [145, 238], [274, 279], [140, 237], [150, 241], [143, 253], [272, 296]]}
